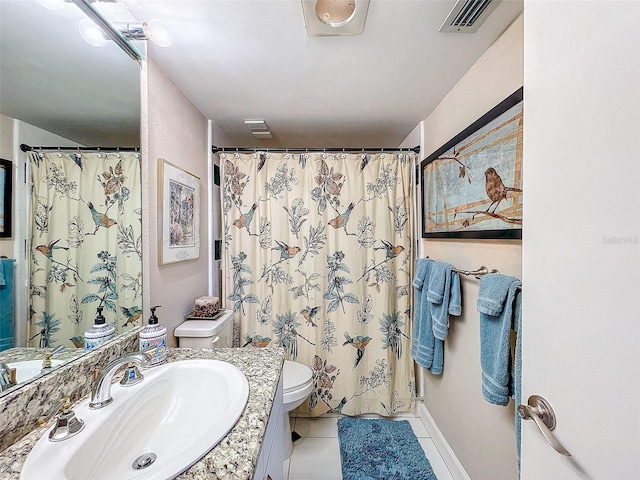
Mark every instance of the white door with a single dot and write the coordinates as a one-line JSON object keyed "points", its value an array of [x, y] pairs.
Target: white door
{"points": [[581, 239]]}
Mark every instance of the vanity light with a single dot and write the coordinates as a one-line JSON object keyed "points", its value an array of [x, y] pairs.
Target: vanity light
{"points": [[52, 4], [56, 4], [155, 31], [159, 32], [91, 33]]}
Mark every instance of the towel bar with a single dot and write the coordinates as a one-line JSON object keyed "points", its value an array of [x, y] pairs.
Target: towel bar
{"points": [[476, 273]]}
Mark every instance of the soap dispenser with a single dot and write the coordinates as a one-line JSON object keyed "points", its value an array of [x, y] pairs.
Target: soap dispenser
{"points": [[154, 335], [100, 333]]}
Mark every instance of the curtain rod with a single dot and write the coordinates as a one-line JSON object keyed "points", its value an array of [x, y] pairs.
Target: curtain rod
{"points": [[26, 148], [215, 149]]}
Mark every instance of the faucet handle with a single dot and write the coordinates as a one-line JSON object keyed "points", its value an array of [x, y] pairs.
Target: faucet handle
{"points": [[132, 375], [46, 362], [67, 425], [44, 419]]}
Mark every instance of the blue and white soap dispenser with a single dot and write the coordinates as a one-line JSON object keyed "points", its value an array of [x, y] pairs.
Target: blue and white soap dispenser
{"points": [[154, 335], [100, 333]]}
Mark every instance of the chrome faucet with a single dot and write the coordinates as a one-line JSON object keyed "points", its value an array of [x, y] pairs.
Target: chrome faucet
{"points": [[7, 377], [101, 393]]}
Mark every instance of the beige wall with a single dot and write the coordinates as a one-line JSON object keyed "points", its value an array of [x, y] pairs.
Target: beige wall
{"points": [[481, 435], [173, 129], [6, 152]]}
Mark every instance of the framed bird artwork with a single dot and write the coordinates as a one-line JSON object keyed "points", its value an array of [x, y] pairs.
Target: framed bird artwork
{"points": [[6, 176], [472, 185], [179, 214]]}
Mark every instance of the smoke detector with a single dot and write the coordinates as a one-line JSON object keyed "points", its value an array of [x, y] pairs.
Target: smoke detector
{"points": [[467, 15], [325, 18]]}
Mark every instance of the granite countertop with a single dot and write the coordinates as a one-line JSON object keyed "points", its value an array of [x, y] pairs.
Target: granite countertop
{"points": [[236, 455], [19, 354]]}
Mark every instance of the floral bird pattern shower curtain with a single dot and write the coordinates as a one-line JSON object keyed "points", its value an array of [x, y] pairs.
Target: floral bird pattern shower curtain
{"points": [[86, 243], [318, 261]]}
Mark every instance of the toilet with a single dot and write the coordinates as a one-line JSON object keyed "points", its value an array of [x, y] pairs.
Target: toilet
{"points": [[297, 383], [206, 333], [297, 379]]}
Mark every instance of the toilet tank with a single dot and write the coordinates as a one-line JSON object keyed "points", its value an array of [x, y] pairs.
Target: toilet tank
{"points": [[206, 333]]}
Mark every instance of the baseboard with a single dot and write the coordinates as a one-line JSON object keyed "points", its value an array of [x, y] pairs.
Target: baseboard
{"points": [[453, 464]]}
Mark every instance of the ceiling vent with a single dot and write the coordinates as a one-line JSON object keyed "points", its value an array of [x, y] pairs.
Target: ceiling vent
{"points": [[259, 128], [467, 15]]}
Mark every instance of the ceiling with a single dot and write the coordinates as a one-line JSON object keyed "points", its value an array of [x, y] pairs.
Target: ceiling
{"points": [[51, 78], [252, 59]]}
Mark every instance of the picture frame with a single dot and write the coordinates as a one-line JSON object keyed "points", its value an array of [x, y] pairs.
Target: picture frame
{"points": [[472, 185], [6, 197], [179, 214]]}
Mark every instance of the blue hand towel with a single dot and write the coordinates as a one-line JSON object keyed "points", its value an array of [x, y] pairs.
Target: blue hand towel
{"points": [[422, 337], [517, 367], [444, 294], [495, 304], [6, 304], [448, 302]]}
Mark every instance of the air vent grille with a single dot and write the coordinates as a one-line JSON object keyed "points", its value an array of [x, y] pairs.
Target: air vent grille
{"points": [[467, 15]]}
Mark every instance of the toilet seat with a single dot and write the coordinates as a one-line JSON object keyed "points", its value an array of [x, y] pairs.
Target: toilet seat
{"points": [[297, 379], [297, 383]]}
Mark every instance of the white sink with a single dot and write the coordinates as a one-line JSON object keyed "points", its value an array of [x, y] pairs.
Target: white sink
{"points": [[30, 368], [179, 412]]}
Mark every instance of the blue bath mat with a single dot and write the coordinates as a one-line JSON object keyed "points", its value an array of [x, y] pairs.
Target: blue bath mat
{"points": [[379, 449]]}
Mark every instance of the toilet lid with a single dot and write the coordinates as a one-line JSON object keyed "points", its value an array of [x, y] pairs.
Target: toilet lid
{"points": [[295, 375]]}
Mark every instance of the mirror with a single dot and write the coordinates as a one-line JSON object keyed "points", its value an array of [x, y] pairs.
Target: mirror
{"points": [[55, 81]]}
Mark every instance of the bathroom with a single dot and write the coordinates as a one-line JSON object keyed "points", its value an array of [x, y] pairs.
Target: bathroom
{"points": [[563, 259]]}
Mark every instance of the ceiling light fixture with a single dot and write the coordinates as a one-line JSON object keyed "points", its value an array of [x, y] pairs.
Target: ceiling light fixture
{"points": [[56, 4], [97, 29], [334, 17], [109, 30], [94, 35], [335, 13]]}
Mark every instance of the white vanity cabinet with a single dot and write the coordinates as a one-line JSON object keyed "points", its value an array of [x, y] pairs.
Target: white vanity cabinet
{"points": [[270, 466]]}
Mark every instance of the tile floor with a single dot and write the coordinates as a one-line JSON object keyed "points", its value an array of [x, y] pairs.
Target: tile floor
{"points": [[317, 454]]}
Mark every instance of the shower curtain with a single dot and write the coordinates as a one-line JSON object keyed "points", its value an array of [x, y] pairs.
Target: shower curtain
{"points": [[86, 244], [318, 261]]}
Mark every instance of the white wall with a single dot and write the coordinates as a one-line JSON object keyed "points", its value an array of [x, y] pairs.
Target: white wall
{"points": [[482, 435], [172, 129], [219, 139]]}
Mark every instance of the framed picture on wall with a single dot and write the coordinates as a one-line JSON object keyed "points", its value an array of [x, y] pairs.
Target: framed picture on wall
{"points": [[472, 185], [179, 215], [6, 179]]}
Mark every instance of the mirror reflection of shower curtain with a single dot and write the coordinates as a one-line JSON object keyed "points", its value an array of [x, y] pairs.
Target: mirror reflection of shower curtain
{"points": [[85, 244], [319, 262]]}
